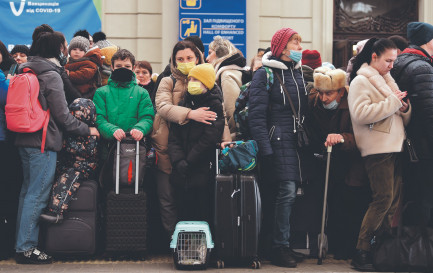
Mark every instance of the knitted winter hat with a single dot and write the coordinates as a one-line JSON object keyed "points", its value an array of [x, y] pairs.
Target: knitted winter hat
{"points": [[204, 73], [419, 33], [100, 39], [311, 58], [280, 40], [79, 42], [221, 46], [21, 49], [327, 79]]}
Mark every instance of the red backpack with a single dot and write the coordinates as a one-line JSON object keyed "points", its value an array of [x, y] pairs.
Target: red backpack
{"points": [[24, 113]]}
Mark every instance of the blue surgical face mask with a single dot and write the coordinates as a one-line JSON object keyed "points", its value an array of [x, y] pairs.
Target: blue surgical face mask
{"points": [[296, 56], [63, 59], [332, 105]]}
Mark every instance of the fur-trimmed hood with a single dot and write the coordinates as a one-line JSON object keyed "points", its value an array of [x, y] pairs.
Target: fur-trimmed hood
{"points": [[273, 62]]}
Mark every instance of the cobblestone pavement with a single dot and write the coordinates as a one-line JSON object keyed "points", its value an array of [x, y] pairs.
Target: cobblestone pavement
{"points": [[163, 264]]}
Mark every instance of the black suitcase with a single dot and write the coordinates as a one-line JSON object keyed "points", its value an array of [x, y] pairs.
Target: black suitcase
{"points": [[126, 218], [77, 234], [237, 218]]}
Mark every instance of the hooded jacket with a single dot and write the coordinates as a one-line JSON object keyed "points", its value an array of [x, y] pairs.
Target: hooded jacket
{"points": [[167, 98], [378, 124], [195, 141], [84, 72], [413, 71], [229, 72], [123, 106], [270, 117], [51, 87], [80, 152]]}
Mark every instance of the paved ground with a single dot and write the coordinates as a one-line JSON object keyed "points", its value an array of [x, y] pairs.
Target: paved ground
{"points": [[163, 264]]}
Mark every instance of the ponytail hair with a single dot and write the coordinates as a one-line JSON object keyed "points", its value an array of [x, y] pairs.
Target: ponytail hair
{"points": [[373, 45]]}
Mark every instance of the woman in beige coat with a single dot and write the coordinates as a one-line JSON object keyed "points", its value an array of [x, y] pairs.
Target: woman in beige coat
{"points": [[170, 92], [229, 64], [378, 114]]}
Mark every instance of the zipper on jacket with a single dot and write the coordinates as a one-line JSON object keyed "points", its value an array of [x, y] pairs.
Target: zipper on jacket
{"points": [[297, 89], [281, 88], [303, 81], [271, 132]]}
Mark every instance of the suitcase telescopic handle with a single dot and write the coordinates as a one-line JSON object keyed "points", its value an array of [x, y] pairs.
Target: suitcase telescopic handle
{"points": [[137, 158], [117, 166], [217, 169], [137, 164]]}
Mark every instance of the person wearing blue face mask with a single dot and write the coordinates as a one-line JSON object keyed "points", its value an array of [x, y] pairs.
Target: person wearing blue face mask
{"points": [[330, 125], [272, 126]]}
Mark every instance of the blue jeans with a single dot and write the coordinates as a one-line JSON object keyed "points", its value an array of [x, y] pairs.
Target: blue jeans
{"points": [[286, 194], [38, 174]]}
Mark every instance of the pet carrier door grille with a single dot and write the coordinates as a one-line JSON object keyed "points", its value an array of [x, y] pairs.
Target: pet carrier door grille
{"points": [[191, 248]]}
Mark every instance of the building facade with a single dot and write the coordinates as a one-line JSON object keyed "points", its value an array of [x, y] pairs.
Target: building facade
{"points": [[150, 28]]}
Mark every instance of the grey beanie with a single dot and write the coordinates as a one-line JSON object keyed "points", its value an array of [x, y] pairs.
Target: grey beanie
{"points": [[103, 43], [79, 42]]}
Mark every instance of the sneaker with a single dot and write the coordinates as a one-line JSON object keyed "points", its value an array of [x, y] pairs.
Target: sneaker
{"points": [[51, 218], [299, 257], [33, 256], [281, 256], [362, 261]]}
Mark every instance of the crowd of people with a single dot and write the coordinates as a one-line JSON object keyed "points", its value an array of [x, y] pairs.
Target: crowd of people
{"points": [[374, 112]]}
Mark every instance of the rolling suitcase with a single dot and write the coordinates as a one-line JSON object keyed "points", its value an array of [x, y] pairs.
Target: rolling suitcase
{"points": [[126, 215], [77, 234], [237, 218]]}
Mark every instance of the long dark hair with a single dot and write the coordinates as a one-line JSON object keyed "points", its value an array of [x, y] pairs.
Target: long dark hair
{"points": [[8, 60], [373, 45], [181, 45]]}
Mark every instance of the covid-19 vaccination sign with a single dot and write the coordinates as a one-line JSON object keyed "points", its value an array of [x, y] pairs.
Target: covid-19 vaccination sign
{"points": [[18, 18], [209, 18]]}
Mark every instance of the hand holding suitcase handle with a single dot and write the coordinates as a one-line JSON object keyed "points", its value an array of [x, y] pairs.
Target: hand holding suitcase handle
{"points": [[119, 134]]}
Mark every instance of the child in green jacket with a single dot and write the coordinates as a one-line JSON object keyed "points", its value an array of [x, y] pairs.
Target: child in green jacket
{"points": [[123, 106]]}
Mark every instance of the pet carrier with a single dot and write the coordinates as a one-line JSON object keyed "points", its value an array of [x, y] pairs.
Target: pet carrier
{"points": [[191, 244]]}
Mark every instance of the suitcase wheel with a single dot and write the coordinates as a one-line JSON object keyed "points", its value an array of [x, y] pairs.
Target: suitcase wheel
{"points": [[256, 264], [220, 264]]}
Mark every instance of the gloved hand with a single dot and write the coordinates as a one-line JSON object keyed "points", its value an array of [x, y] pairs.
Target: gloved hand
{"points": [[182, 167]]}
